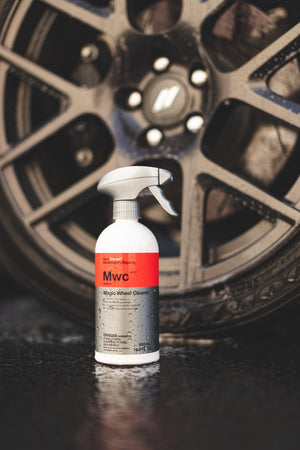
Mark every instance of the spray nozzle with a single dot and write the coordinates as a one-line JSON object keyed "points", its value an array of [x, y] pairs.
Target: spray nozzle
{"points": [[127, 183], [162, 200]]}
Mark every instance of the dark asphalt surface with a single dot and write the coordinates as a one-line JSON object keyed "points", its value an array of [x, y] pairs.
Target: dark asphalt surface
{"points": [[241, 393]]}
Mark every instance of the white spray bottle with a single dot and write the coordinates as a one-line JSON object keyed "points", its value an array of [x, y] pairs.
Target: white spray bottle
{"points": [[126, 270]]}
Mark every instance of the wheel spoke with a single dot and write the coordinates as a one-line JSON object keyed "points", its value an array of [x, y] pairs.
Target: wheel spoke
{"points": [[100, 101], [120, 7], [263, 98], [196, 11], [119, 19], [251, 196], [253, 76], [192, 226], [71, 198], [266, 62], [44, 76], [28, 143], [212, 6], [84, 12]]}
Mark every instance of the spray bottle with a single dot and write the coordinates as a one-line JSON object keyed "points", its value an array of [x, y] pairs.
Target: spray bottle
{"points": [[126, 270]]}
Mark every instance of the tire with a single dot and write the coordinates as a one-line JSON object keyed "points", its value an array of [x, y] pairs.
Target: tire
{"points": [[81, 90]]}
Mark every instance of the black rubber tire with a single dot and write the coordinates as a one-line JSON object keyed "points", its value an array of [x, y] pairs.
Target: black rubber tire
{"points": [[224, 307]]}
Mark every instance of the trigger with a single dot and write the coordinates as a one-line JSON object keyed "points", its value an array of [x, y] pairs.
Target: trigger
{"points": [[162, 200]]}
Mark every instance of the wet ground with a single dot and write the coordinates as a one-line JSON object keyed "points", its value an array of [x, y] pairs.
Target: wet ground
{"points": [[241, 393]]}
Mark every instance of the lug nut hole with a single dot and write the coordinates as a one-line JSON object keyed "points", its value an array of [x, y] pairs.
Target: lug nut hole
{"points": [[129, 99], [194, 123], [154, 137]]}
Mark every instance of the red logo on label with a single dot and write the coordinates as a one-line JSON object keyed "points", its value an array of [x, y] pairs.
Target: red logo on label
{"points": [[126, 269]]}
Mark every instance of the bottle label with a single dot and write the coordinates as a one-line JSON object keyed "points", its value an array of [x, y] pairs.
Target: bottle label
{"points": [[126, 303]]}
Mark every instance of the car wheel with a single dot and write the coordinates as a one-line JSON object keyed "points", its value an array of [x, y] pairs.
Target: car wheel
{"points": [[207, 89]]}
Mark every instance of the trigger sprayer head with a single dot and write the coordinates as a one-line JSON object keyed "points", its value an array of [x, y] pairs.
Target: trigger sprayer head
{"points": [[126, 184]]}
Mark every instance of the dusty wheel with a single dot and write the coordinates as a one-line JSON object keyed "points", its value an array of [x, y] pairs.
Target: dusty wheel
{"points": [[209, 90]]}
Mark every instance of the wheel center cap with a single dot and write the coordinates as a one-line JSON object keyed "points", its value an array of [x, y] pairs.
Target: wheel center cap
{"points": [[165, 100]]}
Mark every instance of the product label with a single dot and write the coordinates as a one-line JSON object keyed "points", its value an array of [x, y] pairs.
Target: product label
{"points": [[126, 303], [126, 269]]}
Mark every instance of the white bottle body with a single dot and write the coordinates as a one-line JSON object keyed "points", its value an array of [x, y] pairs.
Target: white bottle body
{"points": [[126, 236]]}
